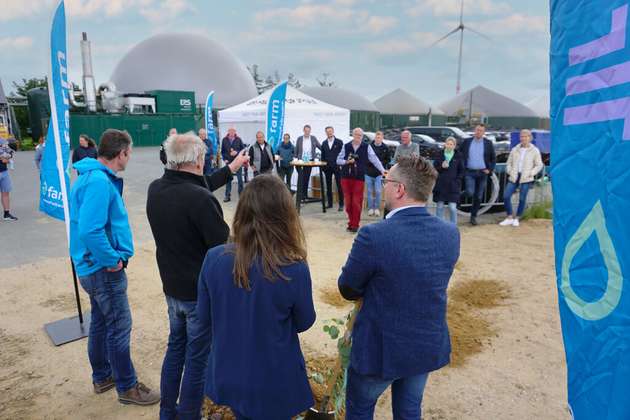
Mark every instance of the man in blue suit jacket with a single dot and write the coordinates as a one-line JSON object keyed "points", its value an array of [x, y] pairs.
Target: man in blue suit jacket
{"points": [[400, 267]]}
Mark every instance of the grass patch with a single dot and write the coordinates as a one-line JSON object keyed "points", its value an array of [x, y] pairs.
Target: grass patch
{"points": [[538, 211]]}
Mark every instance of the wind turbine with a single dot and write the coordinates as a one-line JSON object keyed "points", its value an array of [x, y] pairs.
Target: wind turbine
{"points": [[460, 28]]}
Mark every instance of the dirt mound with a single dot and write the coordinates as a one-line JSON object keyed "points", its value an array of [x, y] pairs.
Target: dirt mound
{"points": [[480, 293], [332, 297], [470, 330]]}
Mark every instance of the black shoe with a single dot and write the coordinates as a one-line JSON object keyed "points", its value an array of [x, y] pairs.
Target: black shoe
{"points": [[473, 221], [9, 217], [226, 199], [352, 230], [340, 207], [329, 206]]}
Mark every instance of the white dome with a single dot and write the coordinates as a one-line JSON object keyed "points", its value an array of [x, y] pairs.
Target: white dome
{"points": [[185, 62], [401, 102], [340, 97]]}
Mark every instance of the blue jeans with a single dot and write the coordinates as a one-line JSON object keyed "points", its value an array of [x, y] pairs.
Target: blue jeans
{"points": [[239, 178], [207, 167], [187, 352], [374, 187], [522, 197], [110, 328], [452, 208], [363, 392], [475, 181]]}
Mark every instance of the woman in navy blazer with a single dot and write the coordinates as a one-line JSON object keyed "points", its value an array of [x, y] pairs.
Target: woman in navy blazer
{"points": [[255, 295]]}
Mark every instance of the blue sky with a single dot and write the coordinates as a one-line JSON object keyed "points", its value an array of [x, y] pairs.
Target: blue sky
{"points": [[369, 46]]}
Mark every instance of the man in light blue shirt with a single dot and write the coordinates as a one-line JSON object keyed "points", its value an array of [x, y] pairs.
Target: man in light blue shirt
{"points": [[480, 160]]}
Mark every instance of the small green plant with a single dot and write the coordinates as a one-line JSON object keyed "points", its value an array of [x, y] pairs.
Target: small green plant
{"points": [[27, 144], [344, 345], [538, 211]]}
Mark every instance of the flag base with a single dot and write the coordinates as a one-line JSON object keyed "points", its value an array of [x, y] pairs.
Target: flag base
{"points": [[68, 330]]}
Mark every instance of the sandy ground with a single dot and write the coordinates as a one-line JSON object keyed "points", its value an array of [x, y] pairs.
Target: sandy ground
{"points": [[508, 360]]}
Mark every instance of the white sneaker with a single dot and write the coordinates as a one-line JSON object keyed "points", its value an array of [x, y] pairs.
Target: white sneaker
{"points": [[377, 213], [516, 223], [507, 222], [371, 212]]}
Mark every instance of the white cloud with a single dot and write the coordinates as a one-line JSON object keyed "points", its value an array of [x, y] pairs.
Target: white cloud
{"points": [[342, 13], [152, 10], [16, 43], [379, 24], [15, 9], [165, 10], [515, 23], [453, 7], [390, 47]]}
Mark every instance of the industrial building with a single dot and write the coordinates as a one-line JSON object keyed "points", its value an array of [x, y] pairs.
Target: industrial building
{"points": [[481, 104], [363, 113], [400, 109]]}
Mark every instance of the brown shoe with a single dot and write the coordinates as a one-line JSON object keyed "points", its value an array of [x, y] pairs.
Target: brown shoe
{"points": [[106, 385], [140, 394]]}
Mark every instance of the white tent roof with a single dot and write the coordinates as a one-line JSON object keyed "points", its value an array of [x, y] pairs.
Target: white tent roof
{"points": [[487, 103], [540, 106], [401, 102], [250, 116], [340, 97]]}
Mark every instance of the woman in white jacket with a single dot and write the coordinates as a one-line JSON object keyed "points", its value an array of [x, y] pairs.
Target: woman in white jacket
{"points": [[523, 165]]}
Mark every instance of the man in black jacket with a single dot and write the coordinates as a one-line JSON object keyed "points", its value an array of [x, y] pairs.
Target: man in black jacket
{"points": [[331, 147], [480, 160], [186, 220]]}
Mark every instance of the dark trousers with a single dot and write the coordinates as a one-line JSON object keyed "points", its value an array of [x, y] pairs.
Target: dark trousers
{"points": [[329, 173], [475, 181], [306, 180], [285, 173]]}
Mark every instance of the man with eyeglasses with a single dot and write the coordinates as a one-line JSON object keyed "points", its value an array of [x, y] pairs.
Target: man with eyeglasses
{"points": [[400, 267]]}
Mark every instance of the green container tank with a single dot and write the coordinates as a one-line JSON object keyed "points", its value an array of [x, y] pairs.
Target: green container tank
{"points": [[174, 101], [38, 111]]}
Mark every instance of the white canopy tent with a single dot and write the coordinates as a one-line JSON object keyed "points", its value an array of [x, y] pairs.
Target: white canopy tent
{"points": [[250, 116]]}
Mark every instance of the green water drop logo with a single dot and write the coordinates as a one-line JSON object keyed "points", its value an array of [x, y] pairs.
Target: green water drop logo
{"points": [[604, 306]]}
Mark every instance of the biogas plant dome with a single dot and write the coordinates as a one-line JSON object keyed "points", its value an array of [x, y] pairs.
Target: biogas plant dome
{"points": [[176, 61]]}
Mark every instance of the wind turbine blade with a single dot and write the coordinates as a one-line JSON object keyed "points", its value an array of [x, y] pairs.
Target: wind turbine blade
{"points": [[478, 33], [444, 37], [461, 14]]}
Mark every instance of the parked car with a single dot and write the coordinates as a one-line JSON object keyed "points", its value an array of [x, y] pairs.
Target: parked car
{"points": [[440, 133]]}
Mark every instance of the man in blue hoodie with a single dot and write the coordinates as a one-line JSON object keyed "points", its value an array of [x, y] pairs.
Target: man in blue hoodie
{"points": [[100, 246]]}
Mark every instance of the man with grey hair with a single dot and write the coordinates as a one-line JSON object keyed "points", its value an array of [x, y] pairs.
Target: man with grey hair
{"points": [[261, 155], [353, 159], [406, 147], [400, 267], [186, 221]]}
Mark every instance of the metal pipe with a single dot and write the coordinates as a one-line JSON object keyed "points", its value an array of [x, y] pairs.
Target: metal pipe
{"points": [[73, 100], [89, 87]]}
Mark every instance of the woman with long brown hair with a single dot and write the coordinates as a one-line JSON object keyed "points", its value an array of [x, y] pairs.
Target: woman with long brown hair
{"points": [[255, 296]]}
